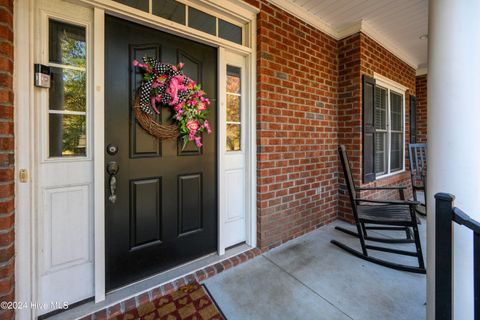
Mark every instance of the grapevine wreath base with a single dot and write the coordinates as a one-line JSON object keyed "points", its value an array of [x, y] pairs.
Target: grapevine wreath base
{"points": [[150, 124], [166, 85]]}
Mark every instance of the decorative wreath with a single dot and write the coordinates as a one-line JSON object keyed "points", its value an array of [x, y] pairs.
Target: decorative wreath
{"points": [[166, 85]]}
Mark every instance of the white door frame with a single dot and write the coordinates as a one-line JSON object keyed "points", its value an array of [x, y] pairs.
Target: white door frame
{"points": [[25, 284], [25, 129]]}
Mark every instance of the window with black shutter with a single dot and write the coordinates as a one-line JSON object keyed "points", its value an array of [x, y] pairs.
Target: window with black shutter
{"points": [[368, 154], [413, 119], [383, 128]]}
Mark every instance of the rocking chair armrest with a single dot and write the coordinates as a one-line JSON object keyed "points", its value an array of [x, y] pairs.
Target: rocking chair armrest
{"points": [[381, 188], [390, 202]]}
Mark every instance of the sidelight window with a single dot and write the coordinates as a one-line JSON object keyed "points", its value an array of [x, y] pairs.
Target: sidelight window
{"points": [[234, 108], [67, 105]]}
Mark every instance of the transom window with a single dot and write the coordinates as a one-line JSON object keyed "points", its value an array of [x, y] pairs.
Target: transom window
{"points": [[389, 130], [181, 13]]}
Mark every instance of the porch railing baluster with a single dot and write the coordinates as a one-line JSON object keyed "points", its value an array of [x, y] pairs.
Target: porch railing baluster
{"points": [[443, 256], [445, 215]]}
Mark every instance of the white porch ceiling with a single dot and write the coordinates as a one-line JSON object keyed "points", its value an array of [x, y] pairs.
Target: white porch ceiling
{"points": [[396, 24]]}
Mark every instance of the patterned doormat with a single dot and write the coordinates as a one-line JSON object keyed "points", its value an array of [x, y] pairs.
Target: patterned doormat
{"points": [[190, 302]]}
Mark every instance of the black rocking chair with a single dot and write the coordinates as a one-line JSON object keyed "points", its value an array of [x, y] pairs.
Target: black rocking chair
{"points": [[394, 215], [418, 172]]}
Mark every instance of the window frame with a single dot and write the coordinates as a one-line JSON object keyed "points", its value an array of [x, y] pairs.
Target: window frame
{"points": [[391, 86], [45, 17], [241, 96]]}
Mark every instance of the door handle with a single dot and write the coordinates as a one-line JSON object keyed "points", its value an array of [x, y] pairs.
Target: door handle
{"points": [[112, 170]]}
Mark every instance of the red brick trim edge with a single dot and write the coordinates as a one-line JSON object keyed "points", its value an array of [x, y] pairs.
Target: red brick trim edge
{"points": [[198, 276]]}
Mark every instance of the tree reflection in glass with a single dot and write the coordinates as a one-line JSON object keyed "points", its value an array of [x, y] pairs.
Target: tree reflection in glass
{"points": [[67, 94], [233, 108]]}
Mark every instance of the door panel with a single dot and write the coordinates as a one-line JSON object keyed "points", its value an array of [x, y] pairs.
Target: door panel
{"points": [[146, 212], [143, 144], [190, 204], [166, 208]]}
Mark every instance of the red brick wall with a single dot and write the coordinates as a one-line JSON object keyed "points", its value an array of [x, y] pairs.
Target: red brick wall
{"points": [[358, 55], [349, 113], [421, 88], [308, 101], [6, 157], [296, 127]]}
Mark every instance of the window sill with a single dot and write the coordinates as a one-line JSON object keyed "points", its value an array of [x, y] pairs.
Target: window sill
{"points": [[388, 175]]}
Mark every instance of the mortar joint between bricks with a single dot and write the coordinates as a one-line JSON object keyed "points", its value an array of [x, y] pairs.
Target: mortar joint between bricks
{"points": [[5, 231], [7, 262], [7, 214], [6, 199], [7, 8], [6, 73]]}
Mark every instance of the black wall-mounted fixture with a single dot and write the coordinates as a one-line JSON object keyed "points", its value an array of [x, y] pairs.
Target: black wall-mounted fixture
{"points": [[42, 75]]}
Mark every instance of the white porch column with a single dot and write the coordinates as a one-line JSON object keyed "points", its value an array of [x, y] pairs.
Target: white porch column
{"points": [[454, 133]]}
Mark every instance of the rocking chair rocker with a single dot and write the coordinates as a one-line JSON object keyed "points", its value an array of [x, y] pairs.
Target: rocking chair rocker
{"points": [[393, 215]]}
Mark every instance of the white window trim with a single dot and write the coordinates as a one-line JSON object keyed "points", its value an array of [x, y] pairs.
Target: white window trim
{"points": [[396, 87], [386, 82]]}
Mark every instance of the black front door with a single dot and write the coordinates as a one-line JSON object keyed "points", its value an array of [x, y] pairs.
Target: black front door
{"points": [[166, 208]]}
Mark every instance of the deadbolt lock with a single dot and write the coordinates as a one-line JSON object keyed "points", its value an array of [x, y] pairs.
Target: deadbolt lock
{"points": [[23, 175]]}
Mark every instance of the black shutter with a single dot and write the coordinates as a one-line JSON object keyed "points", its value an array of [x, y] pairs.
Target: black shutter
{"points": [[413, 119], [368, 105]]}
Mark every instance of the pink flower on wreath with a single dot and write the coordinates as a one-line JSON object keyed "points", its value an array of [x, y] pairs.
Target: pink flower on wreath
{"points": [[198, 142], [180, 65], [202, 106], [179, 114], [192, 125], [179, 107], [153, 103], [207, 126], [140, 65], [146, 67], [192, 102], [176, 84]]}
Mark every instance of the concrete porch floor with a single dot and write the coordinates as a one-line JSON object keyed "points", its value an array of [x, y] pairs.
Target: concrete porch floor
{"points": [[309, 278]]}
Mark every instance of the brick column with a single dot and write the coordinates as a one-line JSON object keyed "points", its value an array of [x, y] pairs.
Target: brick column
{"points": [[6, 157]]}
